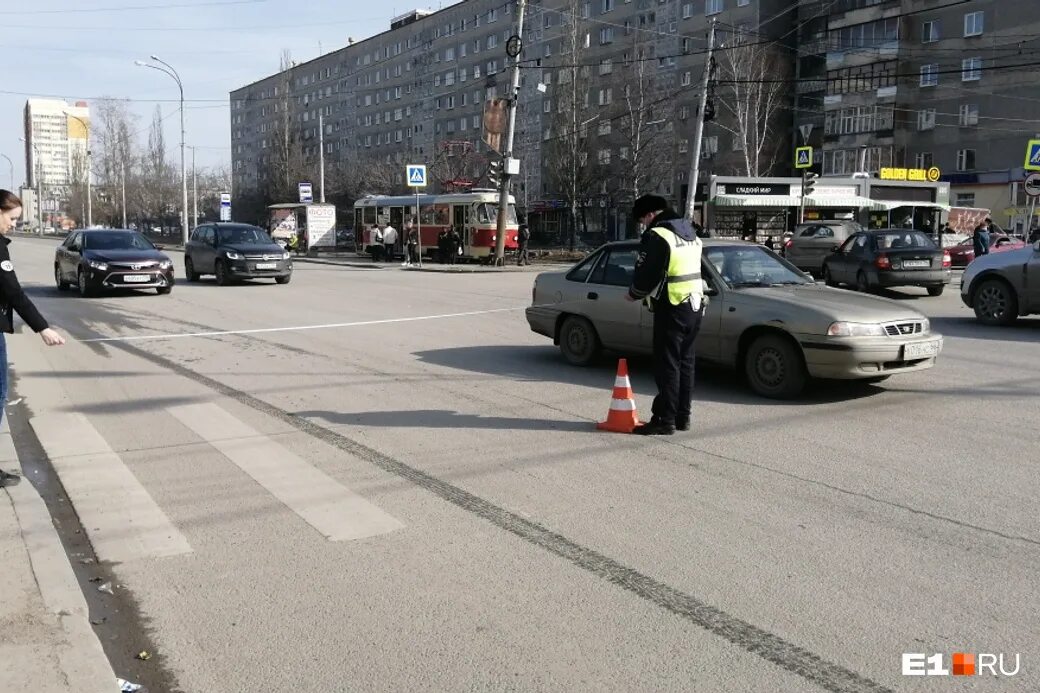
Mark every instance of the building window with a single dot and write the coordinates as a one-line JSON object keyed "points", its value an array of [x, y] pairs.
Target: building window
{"points": [[687, 11], [867, 35], [738, 143], [606, 67], [923, 160], [712, 7], [604, 128], [685, 81], [606, 96], [974, 23], [684, 146], [926, 119], [964, 199], [930, 32], [743, 3], [969, 114], [929, 75], [971, 69], [966, 160], [608, 5], [606, 35], [604, 156]]}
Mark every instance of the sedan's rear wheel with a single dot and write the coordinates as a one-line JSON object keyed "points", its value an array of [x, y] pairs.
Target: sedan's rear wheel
{"points": [[995, 303], [774, 367], [579, 341], [58, 281]]}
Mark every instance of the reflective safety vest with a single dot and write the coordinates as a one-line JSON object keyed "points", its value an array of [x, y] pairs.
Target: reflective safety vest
{"points": [[683, 278]]}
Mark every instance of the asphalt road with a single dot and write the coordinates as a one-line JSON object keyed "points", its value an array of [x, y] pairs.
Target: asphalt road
{"points": [[425, 505]]}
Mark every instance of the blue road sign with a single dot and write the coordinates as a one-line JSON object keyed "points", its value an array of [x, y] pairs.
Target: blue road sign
{"points": [[803, 157], [306, 192], [416, 175], [1033, 156]]}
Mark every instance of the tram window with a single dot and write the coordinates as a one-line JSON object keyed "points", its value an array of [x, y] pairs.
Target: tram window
{"points": [[359, 218], [427, 215], [370, 215], [487, 213]]}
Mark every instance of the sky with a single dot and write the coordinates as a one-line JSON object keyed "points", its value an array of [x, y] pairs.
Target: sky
{"points": [[84, 49]]}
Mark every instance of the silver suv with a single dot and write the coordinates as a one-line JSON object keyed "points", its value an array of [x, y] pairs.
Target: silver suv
{"points": [[814, 241], [1000, 287]]}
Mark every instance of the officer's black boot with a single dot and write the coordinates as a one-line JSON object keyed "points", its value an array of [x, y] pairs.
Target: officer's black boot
{"points": [[654, 427], [682, 424]]}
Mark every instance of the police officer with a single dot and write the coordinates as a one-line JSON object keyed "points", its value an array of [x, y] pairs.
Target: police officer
{"points": [[668, 275]]}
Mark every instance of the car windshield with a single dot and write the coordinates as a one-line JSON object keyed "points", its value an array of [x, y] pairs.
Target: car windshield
{"points": [[752, 266], [896, 240], [116, 240], [243, 235]]}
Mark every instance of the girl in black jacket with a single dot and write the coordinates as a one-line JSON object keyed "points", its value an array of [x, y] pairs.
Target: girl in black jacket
{"points": [[12, 298]]}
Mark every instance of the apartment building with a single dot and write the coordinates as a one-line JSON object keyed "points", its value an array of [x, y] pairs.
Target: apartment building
{"points": [[923, 83], [55, 141], [417, 92]]}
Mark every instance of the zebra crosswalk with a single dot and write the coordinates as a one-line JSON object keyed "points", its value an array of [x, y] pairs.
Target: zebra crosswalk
{"points": [[125, 523]]}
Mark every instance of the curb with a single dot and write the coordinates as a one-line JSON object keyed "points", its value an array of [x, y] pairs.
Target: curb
{"points": [[83, 662]]}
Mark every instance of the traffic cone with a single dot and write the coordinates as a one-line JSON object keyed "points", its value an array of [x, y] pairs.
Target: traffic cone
{"points": [[622, 417]]}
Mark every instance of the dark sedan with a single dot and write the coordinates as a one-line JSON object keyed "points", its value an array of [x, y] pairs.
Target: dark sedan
{"points": [[887, 258], [100, 259], [235, 251]]}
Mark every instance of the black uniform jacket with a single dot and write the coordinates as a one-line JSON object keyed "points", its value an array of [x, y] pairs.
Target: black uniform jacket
{"points": [[12, 298]]}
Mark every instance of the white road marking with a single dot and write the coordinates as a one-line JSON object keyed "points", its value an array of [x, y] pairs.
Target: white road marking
{"points": [[335, 511], [298, 328], [122, 520]]}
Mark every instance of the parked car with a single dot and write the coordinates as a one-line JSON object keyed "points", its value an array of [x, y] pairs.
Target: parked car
{"points": [[232, 252], [764, 317], [1001, 287], [887, 258], [963, 253], [105, 259], [811, 243]]}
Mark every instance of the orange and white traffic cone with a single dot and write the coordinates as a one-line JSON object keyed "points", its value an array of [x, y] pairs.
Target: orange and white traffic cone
{"points": [[622, 417]]}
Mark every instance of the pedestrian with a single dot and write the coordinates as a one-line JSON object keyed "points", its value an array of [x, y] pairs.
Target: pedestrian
{"points": [[442, 246], [411, 237], [375, 242], [523, 238], [389, 241], [12, 298], [454, 245], [980, 240], [769, 243], [668, 276]]}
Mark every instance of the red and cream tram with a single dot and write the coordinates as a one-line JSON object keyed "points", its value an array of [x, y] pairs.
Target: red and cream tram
{"points": [[473, 214]]}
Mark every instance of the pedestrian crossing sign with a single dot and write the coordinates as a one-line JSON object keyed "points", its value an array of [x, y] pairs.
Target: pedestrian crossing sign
{"points": [[1033, 156], [416, 174], [803, 157]]}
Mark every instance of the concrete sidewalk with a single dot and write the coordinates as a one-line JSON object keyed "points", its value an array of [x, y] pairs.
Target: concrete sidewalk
{"points": [[427, 266], [46, 641]]}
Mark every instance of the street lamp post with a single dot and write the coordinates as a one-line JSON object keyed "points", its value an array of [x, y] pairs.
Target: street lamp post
{"points": [[90, 209], [194, 190], [39, 183], [11, 165], [169, 71]]}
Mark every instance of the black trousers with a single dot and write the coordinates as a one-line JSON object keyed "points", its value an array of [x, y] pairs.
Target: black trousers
{"points": [[675, 330], [388, 252], [523, 257]]}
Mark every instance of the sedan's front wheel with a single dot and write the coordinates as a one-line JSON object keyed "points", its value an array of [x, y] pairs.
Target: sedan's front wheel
{"points": [[774, 367], [995, 303], [223, 279], [579, 341], [58, 281], [189, 270], [84, 285]]}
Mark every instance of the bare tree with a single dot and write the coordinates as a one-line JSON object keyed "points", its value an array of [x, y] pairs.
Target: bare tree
{"points": [[155, 192], [114, 155], [753, 104], [287, 165], [458, 166]]}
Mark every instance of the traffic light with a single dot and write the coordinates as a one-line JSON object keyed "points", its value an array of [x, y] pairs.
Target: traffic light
{"points": [[495, 173], [809, 183]]}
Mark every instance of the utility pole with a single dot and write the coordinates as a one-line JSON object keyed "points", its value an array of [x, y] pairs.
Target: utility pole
{"points": [[513, 47], [11, 165], [194, 190], [321, 158], [122, 185], [698, 131]]}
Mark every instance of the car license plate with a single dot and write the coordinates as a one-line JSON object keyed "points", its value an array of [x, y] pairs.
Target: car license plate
{"points": [[922, 350], [136, 278], [916, 264], [267, 265]]}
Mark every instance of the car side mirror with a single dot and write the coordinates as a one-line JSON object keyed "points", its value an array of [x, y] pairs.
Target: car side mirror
{"points": [[807, 275], [834, 248]]}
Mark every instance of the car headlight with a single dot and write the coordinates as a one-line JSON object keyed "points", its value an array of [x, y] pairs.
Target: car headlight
{"points": [[855, 329], [926, 325], [285, 254], [165, 264], [94, 264], [232, 255]]}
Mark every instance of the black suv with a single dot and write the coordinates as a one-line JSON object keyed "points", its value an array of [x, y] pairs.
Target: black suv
{"points": [[235, 251], [97, 259]]}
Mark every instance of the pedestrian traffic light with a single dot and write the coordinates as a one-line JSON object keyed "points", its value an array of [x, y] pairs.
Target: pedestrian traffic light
{"points": [[809, 183], [495, 173]]}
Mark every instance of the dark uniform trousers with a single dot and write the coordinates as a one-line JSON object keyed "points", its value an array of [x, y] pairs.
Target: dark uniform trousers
{"points": [[675, 330]]}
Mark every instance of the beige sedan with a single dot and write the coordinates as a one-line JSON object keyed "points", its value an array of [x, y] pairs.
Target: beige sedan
{"points": [[764, 317]]}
